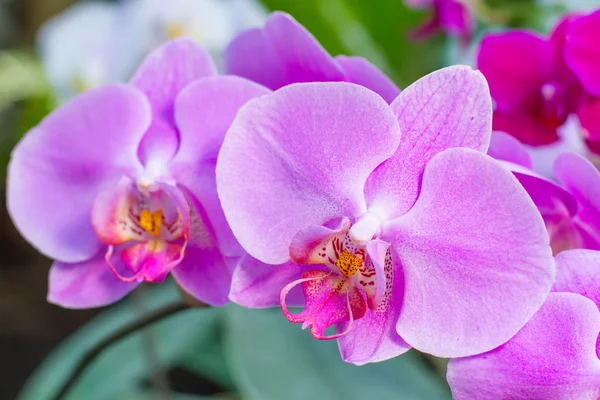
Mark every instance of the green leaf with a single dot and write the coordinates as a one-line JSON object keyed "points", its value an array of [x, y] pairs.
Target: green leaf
{"points": [[272, 359], [118, 371], [21, 77]]}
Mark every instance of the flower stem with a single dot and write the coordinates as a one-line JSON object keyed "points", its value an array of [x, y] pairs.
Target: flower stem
{"points": [[117, 335]]}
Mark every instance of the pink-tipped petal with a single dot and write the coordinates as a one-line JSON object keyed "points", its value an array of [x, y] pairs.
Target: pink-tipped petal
{"points": [[87, 284], [258, 285], [330, 300], [578, 271], [360, 71], [308, 245], [300, 157], [281, 53], [506, 148], [204, 110], [59, 167], [515, 63], [162, 75], [475, 254], [582, 50], [552, 357], [374, 338], [448, 108]]}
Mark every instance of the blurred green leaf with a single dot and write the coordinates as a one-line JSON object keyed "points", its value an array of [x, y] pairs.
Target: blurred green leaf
{"points": [[21, 77], [272, 359], [118, 371]]}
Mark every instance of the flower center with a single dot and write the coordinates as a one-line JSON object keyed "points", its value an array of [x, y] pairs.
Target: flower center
{"points": [[349, 263], [151, 221]]}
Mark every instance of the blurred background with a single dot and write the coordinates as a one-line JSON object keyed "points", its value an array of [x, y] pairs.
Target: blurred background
{"points": [[52, 49]]}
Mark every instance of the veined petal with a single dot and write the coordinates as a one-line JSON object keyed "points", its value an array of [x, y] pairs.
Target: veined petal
{"points": [[259, 285], [582, 51], [330, 299], [360, 71], [578, 271], [204, 110], [515, 63], [552, 357], [87, 284], [300, 157], [281, 53], [374, 338], [162, 75], [475, 253], [448, 108], [59, 167]]}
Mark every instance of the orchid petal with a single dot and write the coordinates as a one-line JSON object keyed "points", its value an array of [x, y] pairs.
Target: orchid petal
{"points": [[578, 271], [87, 284], [162, 75], [552, 357], [582, 50], [60, 166], [360, 71], [506, 148], [281, 53], [475, 255]]}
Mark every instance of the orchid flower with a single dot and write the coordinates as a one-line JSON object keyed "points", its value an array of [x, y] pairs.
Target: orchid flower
{"points": [[389, 223], [284, 52], [555, 355], [451, 16], [571, 207], [535, 92], [118, 185]]}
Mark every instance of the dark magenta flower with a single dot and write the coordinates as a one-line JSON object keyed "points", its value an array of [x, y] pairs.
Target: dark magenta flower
{"points": [[118, 185], [451, 16], [533, 90], [390, 221], [570, 206], [555, 355], [284, 52]]}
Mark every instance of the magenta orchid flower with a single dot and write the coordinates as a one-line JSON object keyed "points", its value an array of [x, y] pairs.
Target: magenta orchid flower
{"points": [[389, 221], [451, 16], [582, 53], [571, 206], [118, 185], [284, 52], [555, 355], [532, 87]]}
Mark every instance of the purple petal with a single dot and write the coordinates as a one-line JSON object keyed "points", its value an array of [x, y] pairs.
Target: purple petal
{"points": [[258, 285], [552, 357], [373, 338], [506, 148], [87, 284], [300, 157], [475, 254], [582, 50], [204, 273], [204, 110], [455, 18], [580, 178], [448, 108], [578, 271], [162, 75], [59, 167], [588, 113], [360, 71], [281, 53], [515, 63]]}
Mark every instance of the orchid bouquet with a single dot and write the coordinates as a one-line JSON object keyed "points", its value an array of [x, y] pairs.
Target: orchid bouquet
{"points": [[453, 217]]}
